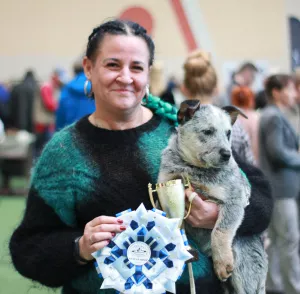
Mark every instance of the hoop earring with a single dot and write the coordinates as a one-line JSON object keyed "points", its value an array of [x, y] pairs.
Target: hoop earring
{"points": [[145, 99], [88, 91]]}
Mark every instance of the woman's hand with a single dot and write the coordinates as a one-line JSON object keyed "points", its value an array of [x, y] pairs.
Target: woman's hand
{"points": [[203, 214], [98, 233]]}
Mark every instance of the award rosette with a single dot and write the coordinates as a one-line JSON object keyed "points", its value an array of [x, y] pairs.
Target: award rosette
{"points": [[149, 257]]}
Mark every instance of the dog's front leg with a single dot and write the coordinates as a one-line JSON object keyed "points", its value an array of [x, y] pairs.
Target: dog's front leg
{"points": [[164, 177], [229, 219]]}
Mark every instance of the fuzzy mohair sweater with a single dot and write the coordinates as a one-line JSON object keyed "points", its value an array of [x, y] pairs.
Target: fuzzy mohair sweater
{"points": [[85, 172]]}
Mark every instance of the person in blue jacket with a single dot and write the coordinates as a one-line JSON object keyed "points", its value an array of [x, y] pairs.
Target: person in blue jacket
{"points": [[73, 103]]}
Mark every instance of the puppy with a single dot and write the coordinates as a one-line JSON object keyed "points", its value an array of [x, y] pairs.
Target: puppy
{"points": [[201, 151]]}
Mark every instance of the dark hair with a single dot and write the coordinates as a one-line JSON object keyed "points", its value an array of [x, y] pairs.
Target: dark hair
{"points": [[249, 66], [117, 27], [29, 74], [276, 82], [30, 79], [77, 68]]}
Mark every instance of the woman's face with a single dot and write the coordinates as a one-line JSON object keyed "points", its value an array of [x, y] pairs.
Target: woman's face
{"points": [[120, 73], [288, 94]]}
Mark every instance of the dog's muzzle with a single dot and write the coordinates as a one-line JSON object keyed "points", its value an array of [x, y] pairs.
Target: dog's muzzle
{"points": [[225, 154]]}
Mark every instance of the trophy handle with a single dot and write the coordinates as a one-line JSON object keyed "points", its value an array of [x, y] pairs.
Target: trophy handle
{"points": [[150, 191], [189, 211], [186, 181], [187, 184]]}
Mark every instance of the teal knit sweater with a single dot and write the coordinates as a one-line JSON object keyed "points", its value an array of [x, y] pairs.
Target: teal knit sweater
{"points": [[85, 172]]}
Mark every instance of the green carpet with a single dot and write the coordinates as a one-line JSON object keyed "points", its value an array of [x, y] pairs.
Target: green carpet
{"points": [[11, 211]]}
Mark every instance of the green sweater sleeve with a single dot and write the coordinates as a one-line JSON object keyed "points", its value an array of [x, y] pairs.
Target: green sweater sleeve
{"points": [[42, 245]]}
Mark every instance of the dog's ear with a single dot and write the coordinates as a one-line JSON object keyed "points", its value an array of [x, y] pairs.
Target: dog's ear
{"points": [[233, 112], [187, 110]]}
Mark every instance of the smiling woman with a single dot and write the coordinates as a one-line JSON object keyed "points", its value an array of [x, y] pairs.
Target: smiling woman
{"points": [[100, 166], [119, 77], [117, 64]]}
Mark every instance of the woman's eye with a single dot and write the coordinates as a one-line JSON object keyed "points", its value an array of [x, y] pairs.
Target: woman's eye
{"points": [[228, 133], [112, 65], [207, 132], [138, 68]]}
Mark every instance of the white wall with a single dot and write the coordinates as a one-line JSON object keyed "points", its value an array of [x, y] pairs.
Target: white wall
{"points": [[293, 8], [44, 34]]}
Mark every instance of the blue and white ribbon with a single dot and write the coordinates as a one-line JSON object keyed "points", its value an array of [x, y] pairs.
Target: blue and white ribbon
{"points": [[148, 257]]}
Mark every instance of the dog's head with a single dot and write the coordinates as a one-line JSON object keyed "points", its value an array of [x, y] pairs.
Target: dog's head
{"points": [[204, 133]]}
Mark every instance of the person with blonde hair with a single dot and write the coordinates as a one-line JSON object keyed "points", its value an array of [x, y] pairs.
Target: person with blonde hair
{"points": [[200, 83], [200, 78]]}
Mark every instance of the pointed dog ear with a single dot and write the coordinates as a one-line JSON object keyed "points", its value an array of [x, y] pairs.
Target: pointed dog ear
{"points": [[233, 112], [187, 110]]}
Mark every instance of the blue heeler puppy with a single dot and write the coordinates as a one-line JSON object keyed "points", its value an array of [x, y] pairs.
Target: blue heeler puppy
{"points": [[201, 150]]}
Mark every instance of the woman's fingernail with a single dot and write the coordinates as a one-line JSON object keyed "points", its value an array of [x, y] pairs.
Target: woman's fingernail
{"points": [[120, 221], [122, 228], [113, 234], [107, 241]]}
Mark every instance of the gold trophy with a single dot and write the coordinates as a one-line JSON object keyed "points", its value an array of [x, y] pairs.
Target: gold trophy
{"points": [[171, 197]]}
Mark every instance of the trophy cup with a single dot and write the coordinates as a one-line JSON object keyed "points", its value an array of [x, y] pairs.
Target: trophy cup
{"points": [[171, 198]]}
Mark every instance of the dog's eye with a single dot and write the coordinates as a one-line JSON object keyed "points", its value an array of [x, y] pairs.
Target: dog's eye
{"points": [[228, 133], [207, 132]]}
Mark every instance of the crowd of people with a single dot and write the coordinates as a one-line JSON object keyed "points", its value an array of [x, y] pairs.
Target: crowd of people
{"points": [[111, 151], [38, 110]]}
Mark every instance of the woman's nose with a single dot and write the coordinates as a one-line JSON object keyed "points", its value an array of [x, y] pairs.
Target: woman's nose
{"points": [[125, 77]]}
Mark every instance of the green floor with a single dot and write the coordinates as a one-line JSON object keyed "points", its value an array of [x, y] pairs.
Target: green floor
{"points": [[11, 211]]}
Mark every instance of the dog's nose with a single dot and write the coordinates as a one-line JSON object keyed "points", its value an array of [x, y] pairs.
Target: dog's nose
{"points": [[225, 154]]}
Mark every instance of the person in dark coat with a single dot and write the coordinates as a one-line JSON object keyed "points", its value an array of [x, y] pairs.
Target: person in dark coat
{"points": [[20, 117], [280, 161], [21, 103]]}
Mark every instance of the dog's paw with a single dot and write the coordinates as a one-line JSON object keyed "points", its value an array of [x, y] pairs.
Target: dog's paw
{"points": [[224, 268]]}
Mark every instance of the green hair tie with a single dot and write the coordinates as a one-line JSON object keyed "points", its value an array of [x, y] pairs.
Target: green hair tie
{"points": [[161, 108]]}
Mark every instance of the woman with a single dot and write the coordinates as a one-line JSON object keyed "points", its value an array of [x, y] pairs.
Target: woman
{"points": [[102, 165], [243, 97], [280, 160]]}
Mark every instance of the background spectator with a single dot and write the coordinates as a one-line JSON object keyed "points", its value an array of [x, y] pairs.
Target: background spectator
{"points": [[73, 103], [243, 97]]}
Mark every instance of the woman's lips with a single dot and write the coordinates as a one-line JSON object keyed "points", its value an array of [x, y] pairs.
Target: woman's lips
{"points": [[123, 90]]}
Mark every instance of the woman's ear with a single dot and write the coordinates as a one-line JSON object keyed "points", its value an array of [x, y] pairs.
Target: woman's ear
{"points": [[87, 67]]}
